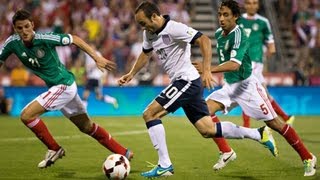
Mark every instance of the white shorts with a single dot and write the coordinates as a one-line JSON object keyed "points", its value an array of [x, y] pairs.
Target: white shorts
{"points": [[249, 94], [257, 70], [64, 98]]}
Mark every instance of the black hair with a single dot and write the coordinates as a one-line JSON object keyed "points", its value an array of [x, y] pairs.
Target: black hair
{"points": [[21, 15], [148, 8], [233, 6]]}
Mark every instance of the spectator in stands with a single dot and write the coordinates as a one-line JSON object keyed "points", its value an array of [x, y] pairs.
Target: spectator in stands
{"points": [[5, 102], [19, 75]]}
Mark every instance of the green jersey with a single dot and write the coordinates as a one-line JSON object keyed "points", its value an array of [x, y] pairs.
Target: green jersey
{"points": [[41, 58], [234, 47], [259, 32]]}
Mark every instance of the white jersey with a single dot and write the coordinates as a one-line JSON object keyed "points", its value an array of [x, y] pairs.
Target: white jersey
{"points": [[172, 45], [92, 71]]}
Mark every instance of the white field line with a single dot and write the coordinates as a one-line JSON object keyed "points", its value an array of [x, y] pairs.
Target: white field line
{"points": [[71, 137]]}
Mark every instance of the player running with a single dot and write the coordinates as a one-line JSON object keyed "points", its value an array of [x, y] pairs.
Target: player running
{"points": [[258, 29], [37, 52], [172, 41], [242, 88]]}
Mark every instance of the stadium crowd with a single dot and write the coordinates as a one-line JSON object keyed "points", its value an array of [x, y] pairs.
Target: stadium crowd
{"points": [[110, 25]]}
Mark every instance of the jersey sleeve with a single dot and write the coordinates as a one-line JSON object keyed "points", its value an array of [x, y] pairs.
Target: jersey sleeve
{"points": [[5, 50], [239, 46], [267, 33], [184, 33], [146, 44], [54, 39]]}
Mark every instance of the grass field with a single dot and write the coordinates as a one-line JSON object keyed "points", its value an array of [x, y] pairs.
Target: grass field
{"points": [[192, 155]]}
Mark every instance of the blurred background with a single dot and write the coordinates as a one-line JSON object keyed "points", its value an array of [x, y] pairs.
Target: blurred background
{"points": [[293, 73]]}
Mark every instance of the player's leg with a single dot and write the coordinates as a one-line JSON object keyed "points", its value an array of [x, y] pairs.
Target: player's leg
{"points": [[260, 108], [288, 132], [89, 86], [54, 99], [226, 153], [246, 119], [76, 112], [152, 117]]}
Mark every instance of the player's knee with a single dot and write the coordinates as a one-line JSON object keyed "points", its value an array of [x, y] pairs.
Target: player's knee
{"points": [[147, 115], [206, 133], [85, 127], [25, 116], [276, 124]]}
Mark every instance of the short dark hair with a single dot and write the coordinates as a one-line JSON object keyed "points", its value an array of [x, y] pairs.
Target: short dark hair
{"points": [[233, 6], [148, 8], [21, 15]]}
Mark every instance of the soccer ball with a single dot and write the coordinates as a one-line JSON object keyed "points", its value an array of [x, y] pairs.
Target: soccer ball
{"points": [[116, 166]]}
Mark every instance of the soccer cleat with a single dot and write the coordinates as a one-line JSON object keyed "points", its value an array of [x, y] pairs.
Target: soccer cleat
{"points": [[51, 157], [158, 171], [224, 159], [129, 154], [267, 140], [310, 166], [290, 120]]}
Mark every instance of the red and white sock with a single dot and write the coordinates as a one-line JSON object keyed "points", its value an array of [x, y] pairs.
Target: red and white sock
{"points": [[221, 142], [279, 110], [294, 140], [41, 131], [104, 138]]}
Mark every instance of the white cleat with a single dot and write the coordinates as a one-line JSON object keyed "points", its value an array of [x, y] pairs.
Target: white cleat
{"points": [[51, 157], [224, 159], [310, 166]]}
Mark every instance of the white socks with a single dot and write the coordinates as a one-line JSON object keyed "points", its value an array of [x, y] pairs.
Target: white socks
{"points": [[158, 137], [232, 131]]}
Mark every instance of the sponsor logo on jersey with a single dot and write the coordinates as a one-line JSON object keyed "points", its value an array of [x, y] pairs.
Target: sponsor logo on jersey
{"points": [[166, 39], [40, 53], [24, 54], [65, 41]]}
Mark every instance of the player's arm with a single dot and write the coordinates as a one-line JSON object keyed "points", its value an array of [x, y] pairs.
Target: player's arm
{"points": [[226, 67], [271, 49], [206, 51], [140, 62], [101, 62]]}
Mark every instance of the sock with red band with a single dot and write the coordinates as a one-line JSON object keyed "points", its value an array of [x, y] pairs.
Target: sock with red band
{"points": [[293, 139], [41, 131], [221, 142], [104, 138]]}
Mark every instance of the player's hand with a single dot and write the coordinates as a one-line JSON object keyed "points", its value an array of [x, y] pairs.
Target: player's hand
{"points": [[207, 80], [103, 64], [198, 66], [125, 79]]}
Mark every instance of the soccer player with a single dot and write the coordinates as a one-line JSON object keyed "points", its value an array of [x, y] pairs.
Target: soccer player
{"points": [[93, 81], [172, 41], [258, 29], [243, 88], [37, 52]]}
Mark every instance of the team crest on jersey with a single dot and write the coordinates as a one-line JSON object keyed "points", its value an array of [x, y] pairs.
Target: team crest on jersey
{"points": [[226, 46], [255, 27], [40, 53], [166, 39]]}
